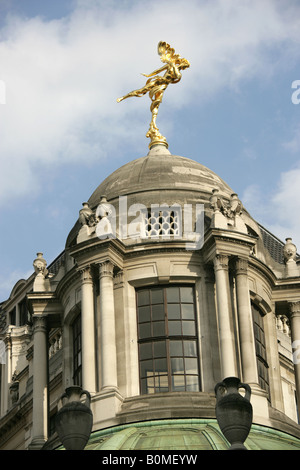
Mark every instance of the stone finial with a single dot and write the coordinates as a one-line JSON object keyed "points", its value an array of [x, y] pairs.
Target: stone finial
{"points": [[41, 283], [289, 251], [85, 213], [104, 209], [40, 264], [289, 255]]}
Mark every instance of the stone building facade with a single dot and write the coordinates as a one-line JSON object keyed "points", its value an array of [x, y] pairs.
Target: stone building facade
{"points": [[166, 286]]}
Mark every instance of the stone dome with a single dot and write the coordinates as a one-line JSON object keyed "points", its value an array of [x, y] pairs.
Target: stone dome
{"points": [[185, 435], [160, 177]]}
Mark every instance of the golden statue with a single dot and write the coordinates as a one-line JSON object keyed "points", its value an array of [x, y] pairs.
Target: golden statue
{"points": [[158, 84]]}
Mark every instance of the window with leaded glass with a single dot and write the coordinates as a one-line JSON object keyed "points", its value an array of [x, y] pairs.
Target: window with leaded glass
{"points": [[167, 335], [260, 347], [77, 366]]}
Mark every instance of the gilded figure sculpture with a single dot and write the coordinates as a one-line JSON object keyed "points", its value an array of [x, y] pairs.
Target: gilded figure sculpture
{"points": [[157, 84]]}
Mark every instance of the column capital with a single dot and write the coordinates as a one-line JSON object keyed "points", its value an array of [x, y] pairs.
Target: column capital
{"points": [[106, 269], [241, 266], [86, 274], [221, 261], [294, 308], [39, 323]]}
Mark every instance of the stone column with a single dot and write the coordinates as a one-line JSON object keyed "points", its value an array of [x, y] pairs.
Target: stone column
{"points": [[88, 331], [226, 336], [107, 327], [295, 333], [40, 382], [246, 332]]}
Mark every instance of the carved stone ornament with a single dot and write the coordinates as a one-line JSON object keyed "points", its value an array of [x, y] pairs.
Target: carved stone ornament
{"points": [[289, 251], [221, 261], [227, 214], [290, 255], [106, 269], [40, 264], [41, 282], [294, 308], [241, 266]]}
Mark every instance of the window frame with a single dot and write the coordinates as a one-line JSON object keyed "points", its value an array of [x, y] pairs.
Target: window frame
{"points": [[166, 381], [260, 348], [77, 351]]}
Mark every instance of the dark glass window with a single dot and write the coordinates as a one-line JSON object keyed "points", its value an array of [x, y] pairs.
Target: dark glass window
{"points": [[260, 347], [77, 366], [168, 346]]}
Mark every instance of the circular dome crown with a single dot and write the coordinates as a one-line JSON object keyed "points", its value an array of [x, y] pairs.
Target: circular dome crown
{"points": [[164, 176]]}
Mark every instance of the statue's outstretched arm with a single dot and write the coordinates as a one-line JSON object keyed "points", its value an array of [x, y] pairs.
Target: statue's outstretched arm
{"points": [[161, 69]]}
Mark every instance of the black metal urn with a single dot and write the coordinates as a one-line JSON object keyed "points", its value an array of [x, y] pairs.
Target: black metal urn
{"points": [[234, 411], [74, 420]]}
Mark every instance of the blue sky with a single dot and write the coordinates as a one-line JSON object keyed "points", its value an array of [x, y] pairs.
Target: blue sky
{"points": [[65, 62]]}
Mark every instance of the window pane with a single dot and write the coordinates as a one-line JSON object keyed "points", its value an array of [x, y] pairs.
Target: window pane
{"points": [[146, 368], [147, 385], [178, 384], [192, 383], [188, 328], [145, 330], [174, 311], [172, 294], [160, 366], [187, 311], [144, 314], [157, 296], [187, 294], [174, 328], [161, 384], [159, 328], [177, 365], [159, 349], [158, 312], [145, 351], [176, 348], [143, 297], [191, 366], [190, 348]]}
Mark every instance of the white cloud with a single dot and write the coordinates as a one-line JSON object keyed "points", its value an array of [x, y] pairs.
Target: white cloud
{"points": [[63, 76], [9, 279], [279, 211]]}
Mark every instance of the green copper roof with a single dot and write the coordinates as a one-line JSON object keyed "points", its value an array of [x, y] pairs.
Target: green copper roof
{"points": [[185, 434]]}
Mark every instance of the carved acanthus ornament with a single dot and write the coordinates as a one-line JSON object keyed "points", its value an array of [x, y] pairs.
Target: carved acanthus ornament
{"points": [[241, 266], [221, 262], [294, 308], [86, 275], [106, 269]]}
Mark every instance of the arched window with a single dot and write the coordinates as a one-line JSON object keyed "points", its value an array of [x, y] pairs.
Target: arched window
{"points": [[260, 347], [167, 335]]}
